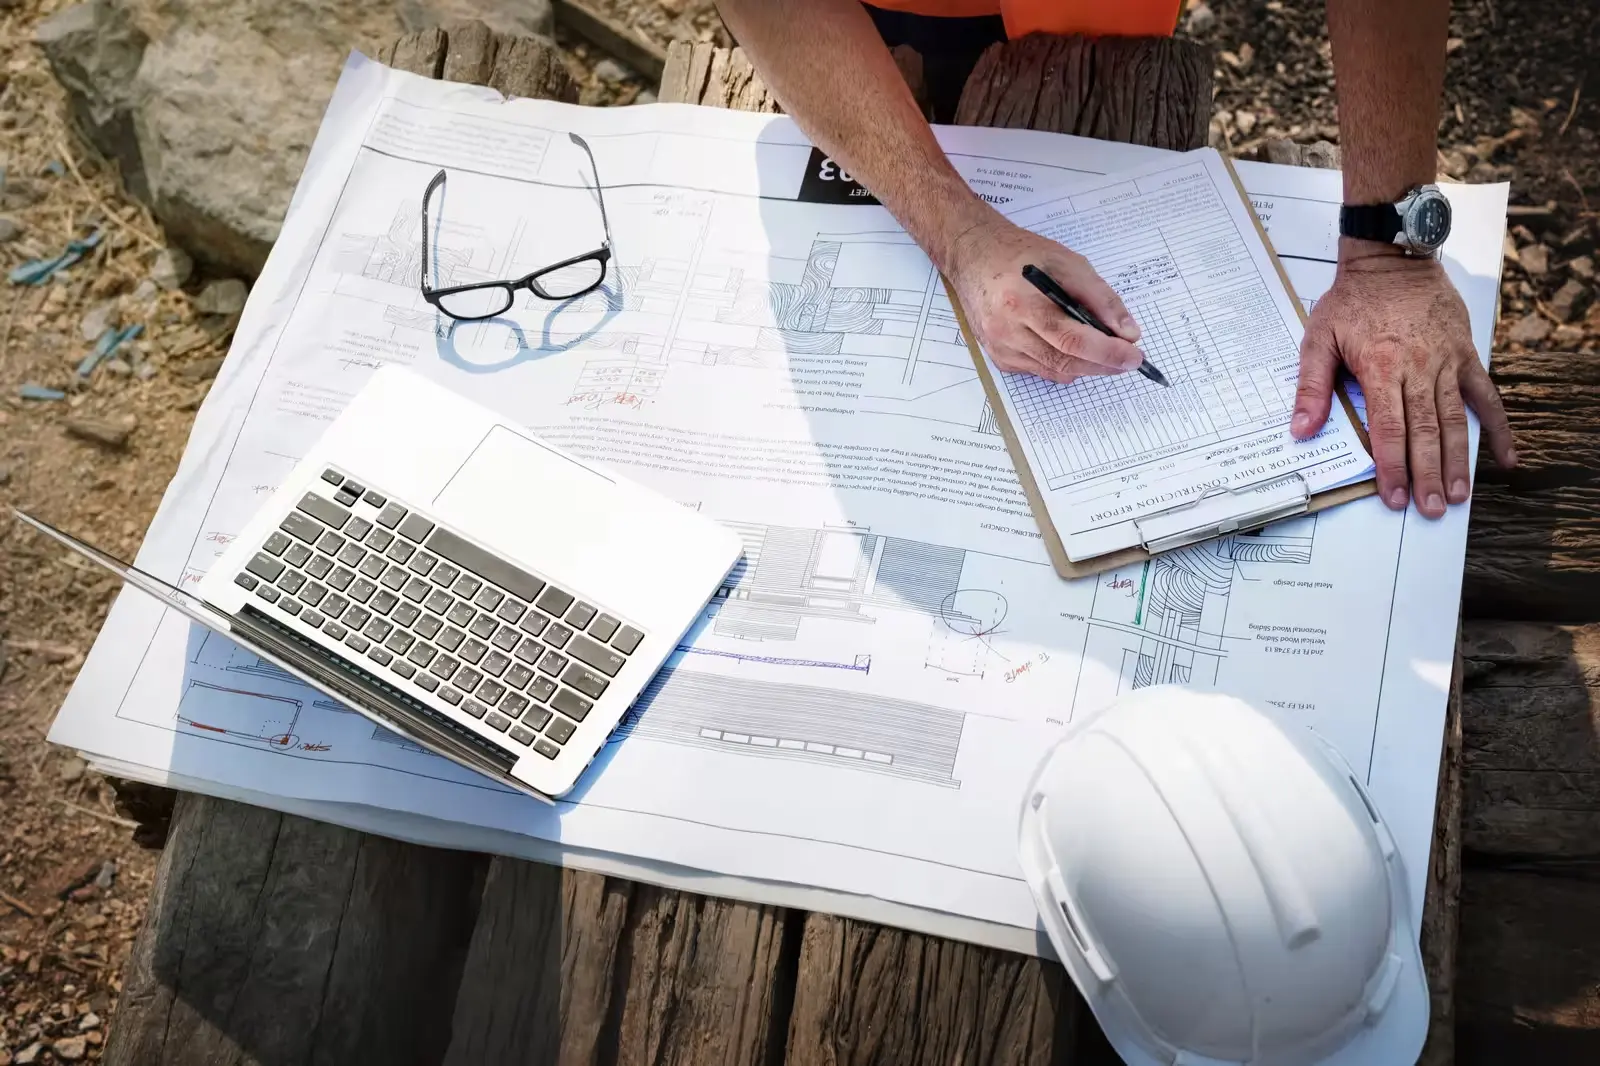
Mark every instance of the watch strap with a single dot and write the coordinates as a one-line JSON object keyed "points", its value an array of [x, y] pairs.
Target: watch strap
{"points": [[1370, 222]]}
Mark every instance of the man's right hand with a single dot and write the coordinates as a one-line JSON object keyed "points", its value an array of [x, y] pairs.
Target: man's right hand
{"points": [[1016, 324]]}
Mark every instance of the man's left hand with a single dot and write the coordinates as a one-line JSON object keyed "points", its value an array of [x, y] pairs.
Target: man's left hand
{"points": [[1401, 327]]}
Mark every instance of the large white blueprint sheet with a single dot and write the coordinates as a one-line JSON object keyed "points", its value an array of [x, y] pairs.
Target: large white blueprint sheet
{"points": [[792, 369]]}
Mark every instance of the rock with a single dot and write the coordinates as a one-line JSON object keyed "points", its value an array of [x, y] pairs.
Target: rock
{"points": [[1244, 121], [144, 292], [224, 297], [1582, 268], [201, 369], [119, 368], [19, 192], [111, 432], [1201, 19], [29, 1055], [171, 268], [1530, 329], [5, 476], [10, 230], [646, 96], [98, 319], [1535, 260], [1569, 300], [71, 769], [145, 371], [209, 109], [70, 1049], [610, 71], [89, 1021]]}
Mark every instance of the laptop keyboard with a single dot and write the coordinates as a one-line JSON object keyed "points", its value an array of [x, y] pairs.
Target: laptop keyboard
{"points": [[521, 656]]}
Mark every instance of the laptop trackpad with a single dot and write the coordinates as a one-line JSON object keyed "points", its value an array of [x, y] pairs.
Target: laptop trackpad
{"points": [[530, 502]]}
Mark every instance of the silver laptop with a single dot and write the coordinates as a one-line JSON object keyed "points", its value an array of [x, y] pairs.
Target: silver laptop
{"points": [[461, 582]]}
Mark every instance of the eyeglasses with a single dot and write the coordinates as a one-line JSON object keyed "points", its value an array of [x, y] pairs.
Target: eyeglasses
{"points": [[565, 280]]}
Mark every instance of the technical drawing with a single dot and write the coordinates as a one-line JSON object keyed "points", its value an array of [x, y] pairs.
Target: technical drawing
{"points": [[959, 639], [1169, 614], [385, 736], [861, 664], [789, 574], [901, 738], [240, 714]]}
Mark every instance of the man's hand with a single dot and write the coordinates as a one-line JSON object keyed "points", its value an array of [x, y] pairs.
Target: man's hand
{"points": [[1017, 325], [1400, 326]]}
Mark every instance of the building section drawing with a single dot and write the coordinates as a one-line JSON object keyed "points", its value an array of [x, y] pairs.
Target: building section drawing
{"points": [[853, 731], [240, 714], [1163, 622]]}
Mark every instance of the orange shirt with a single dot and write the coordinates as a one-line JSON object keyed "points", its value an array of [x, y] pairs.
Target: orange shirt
{"points": [[1092, 18]]}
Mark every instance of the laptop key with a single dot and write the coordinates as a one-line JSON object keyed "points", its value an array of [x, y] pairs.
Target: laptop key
{"points": [[302, 527], [522, 735], [246, 582], [379, 540], [627, 640], [379, 655], [276, 544], [473, 650], [291, 606], [428, 627], [484, 626], [377, 629], [555, 601], [340, 578], [439, 601], [585, 681], [535, 717], [467, 679], [579, 615], [560, 730], [490, 692], [553, 663], [489, 598], [319, 567], [494, 664], [444, 575], [334, 605], [395, 578], [510, 611], [514, 703], [591, 653], [506, 638], [421, 563], [518, 676], [534, 622], [358, 528], [335, 631], [530, 650], [485, 565], [356, 617], [422, 654], [415, 527], [384, 601], [461, 615], [571, 704], [405, 615], [400, 642], [345, 498], [268, 593], [312, 619], [403, 668], [352, 555], [451, 638], [330, 544], [426, 682], [332, 476], [474, 708], [361, 590], [265, 566], [400, 551], [391, 515], [312, 594], [373, 499], [467, 587], [297, 555], [542, 689], [373, 566], [497, 721], [557, 635], [292, 581], [357, 643], [324, 511], [545, 748], [416, 590], [451, 695]]}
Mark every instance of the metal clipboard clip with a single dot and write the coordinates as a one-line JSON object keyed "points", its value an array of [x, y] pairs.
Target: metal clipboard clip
{"points": [[1224, 511]]}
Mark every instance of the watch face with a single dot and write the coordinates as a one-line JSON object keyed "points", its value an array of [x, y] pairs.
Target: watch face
{"points": [[1428, 222]]}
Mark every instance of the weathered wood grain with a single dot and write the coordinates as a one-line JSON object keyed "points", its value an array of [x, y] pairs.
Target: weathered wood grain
{"points": [[1531, 720], [273, 939], [1529, 990], [1146, 90], [627, 45], [700, 73], [1441, 906], [1533, 551], [574, 968], [471, 52]]}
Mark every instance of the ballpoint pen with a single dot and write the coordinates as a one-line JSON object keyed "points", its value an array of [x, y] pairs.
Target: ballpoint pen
{"points": [[1073, 309]]}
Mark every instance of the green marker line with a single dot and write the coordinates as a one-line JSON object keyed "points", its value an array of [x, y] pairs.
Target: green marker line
{"points": [[1138, 611]]}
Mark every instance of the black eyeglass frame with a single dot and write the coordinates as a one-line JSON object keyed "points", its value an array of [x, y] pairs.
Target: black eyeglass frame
{"points": [[601, 255]]}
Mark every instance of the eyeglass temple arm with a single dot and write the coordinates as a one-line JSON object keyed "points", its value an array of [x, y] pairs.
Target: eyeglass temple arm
{"points": [[599, 193], [438, 180]]}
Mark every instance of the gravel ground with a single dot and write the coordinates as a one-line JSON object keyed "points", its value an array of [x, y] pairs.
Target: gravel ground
{"points": [[73, 885]]}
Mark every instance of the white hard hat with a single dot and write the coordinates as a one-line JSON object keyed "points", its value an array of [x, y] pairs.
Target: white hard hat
{"points": [[1222, 890]]}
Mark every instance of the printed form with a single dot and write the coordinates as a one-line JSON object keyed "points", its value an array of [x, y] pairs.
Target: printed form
{"points": [[848, 727], [1121, 461]]}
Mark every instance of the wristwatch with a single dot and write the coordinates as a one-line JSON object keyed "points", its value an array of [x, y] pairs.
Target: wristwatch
{"points": [[1418, 222]]}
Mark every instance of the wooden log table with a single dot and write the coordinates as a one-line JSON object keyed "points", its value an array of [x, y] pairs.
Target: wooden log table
{"points": [[277, 940]]}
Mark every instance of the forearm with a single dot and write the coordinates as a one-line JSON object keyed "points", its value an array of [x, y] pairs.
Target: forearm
{"points": [[1388, 61], [828, 68]]}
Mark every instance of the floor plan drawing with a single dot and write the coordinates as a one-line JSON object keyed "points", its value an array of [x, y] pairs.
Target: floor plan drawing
{"points": [[900, 738], [240, 714]]}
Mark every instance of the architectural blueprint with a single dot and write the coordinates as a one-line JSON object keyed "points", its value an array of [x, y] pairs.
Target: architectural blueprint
{"points": [[848, 725]]}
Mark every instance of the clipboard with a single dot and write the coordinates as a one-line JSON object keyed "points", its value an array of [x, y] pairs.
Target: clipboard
{"points": [[1214, 515]]}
